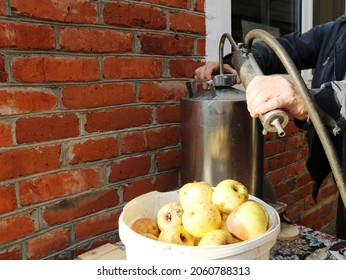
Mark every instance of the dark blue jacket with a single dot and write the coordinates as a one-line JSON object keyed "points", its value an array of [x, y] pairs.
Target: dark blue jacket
{"points": [[324, 49]]}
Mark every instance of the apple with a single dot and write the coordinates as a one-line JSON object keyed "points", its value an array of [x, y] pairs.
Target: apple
{"points": [[195, 192], [248, 221], [176, 235], [146, 225], [217, 237], [169, 214], [149, 235], [228, 195], [200, 218], [224, 221]]}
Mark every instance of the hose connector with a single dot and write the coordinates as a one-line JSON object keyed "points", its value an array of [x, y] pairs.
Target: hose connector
{"points": [[274, 121]]}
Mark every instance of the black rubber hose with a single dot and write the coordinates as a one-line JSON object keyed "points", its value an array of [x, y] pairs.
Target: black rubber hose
{"points": [[308, 102]]}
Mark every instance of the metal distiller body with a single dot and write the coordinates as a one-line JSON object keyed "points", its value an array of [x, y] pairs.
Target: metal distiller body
{"points": [[220, 140]]}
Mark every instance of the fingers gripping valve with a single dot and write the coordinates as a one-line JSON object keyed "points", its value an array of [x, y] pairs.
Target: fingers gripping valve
{"points": [[247, 68]]}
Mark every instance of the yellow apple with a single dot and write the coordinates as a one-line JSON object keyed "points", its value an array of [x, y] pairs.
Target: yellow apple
{"points": [[228, 195], [176, 235], [195, 192], [248, 221], [149, 235], [200, 218], [169, 214], [224, 221], [217, 237], [146, 225]]}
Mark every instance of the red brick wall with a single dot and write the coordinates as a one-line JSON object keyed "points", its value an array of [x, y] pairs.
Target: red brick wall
{"points": [[89, 115], [89, 119]]}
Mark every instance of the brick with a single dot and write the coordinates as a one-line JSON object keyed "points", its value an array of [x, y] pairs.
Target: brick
{"points": [[187, 22], [92, 96], [8, 200], [75, 207], [295, 169], [201, 46], [53, 186], [26, 36], [12, 253], [134, 15], [15, 227], [98, 224], [130, 167], [118, 118], [168, 114], [293, 211], [183, 68], [277, 162], [162, 137], [166, 44], [94, 149], [25, 100], [95, 40], [44, 69], [168, 159], [81, 11], [95, 243], [200, 6], [48, 243], [274, 148], [24, 162], [2, 7], [164, 91], [3, 73], [133, 142], [5, 134], [183, 4], [137, 188], [132, 67], [296, 142], [39, 129], [167, 181]]}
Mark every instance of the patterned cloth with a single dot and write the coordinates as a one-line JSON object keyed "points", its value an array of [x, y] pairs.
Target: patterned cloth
{"points": [[311, 244]]}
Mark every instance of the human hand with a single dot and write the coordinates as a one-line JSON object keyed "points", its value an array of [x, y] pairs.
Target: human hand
{"points": [[206, 71], [267, 93]]}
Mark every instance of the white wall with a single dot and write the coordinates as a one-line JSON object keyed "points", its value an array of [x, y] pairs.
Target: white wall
{"points": [[218, 13]]}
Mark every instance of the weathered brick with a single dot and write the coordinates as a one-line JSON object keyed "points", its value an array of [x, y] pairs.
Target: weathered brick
{"points": [[24, 162], [25, 36], [94, 149], [75, 207], [180, 68], [166, 44], [14, 227], [54, 69], [81, 11], [133, 142], [183, 4], [187, 22], [164, 91], [295, 169], [2, 7], [58, 185], [137, 188], [168, 114], [38, 129], [200, 6], [274, 148], [168, 159], [161, 137], [118, 118], [95, 40], [97, 224], [167, 181], [12, 253], [134, 15], [5, 134], [201, 46], [3, 73], [26, 100], [132, 67], [8, 200], [48, 243], [130, 167], [98, 95]]}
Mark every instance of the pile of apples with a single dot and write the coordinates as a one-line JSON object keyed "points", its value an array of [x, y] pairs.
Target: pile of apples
{"points": [[206, 216]]}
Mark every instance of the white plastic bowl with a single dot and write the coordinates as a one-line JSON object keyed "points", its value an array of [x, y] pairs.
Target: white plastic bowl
{"points": [[139, 247]]}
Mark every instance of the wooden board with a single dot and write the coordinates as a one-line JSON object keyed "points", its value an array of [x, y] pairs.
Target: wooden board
{"points": [[105, 252]]}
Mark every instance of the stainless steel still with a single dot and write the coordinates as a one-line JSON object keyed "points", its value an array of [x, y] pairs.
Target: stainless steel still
{"points": [[220, 140]]}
